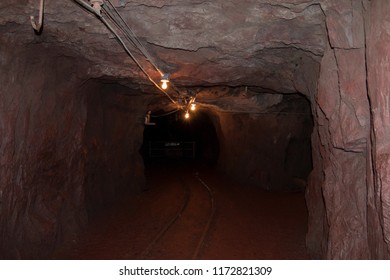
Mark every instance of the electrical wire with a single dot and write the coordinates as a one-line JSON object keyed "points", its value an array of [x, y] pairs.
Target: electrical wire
{"points": [[261, 113], [134, 38], [89, 8], [165, 114], [135, 59], [129, 33]]}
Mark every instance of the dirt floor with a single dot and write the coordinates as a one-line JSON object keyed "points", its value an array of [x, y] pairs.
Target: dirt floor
{"points": [[246, 223]]}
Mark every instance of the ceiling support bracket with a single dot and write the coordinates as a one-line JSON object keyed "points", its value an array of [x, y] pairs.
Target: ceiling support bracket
{"points": [[38, 25]]}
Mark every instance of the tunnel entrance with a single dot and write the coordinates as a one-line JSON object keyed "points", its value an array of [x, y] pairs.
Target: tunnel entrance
{"points": [[216, 213], [268, 147], [189, 208], [170, 137]]}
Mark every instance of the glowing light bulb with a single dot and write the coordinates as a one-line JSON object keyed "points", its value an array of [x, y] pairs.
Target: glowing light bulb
{"points": [[187, 115], [193, 107], [164, 85], [165, 81]]}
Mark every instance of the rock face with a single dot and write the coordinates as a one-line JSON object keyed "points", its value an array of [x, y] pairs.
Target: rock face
{"points": [[267, 144], [378, 159], [113, 136], [199, 43], [51, 174], [348, 215], [72, 105], [340, 139], [41, 176]]}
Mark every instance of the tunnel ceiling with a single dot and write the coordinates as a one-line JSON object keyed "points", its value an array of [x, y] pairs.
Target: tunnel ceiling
{"points": [[264, 46]]}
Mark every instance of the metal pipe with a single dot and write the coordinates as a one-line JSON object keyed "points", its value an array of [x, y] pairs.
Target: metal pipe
{"points": [[98, 14], [88, 7]]}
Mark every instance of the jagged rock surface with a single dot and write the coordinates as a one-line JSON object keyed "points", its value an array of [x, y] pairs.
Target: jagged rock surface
{"points": [[197, 42], [56, 170]]}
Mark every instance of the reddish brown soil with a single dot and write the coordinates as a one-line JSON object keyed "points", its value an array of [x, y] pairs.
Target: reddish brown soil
{"points": [[248, 223]]}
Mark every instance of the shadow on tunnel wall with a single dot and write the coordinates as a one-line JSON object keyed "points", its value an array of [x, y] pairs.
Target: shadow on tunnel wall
{"points": [[113, 135], [269, 150]]}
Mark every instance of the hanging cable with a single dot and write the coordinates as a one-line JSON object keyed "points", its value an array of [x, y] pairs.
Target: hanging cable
{"points": [[134, 38], [130, 35], [135, 59], [86, 6], [92, 10], [165, 114]]}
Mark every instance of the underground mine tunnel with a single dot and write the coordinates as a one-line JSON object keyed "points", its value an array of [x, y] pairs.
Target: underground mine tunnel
{"points": [[286, 155], [169, 136]]}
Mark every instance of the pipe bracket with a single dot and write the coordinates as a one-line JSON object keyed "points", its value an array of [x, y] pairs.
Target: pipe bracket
{"points": [[38, 25]]}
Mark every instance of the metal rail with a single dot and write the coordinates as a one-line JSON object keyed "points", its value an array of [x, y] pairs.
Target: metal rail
{"points": [[165, 229], [209, 220], [169, 224]]}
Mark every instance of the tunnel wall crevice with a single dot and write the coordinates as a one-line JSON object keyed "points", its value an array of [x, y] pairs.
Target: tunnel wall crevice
{"points": [[378, 158], [350, 173]]}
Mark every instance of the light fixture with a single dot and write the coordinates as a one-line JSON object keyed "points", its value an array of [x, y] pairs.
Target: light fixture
{"points": [[193, 106], [187, 115], [97, 5], [164, 81]]}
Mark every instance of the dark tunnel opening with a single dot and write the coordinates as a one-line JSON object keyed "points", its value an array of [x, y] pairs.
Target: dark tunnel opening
{"points": [[253, 161], [269, 149], [171, 137], [255, 164], [269, 154]]}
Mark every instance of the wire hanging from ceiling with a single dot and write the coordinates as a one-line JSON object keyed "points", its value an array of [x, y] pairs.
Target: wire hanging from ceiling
{"points": [[116, 17], [164, 114], [130, 37], [113, 12]]}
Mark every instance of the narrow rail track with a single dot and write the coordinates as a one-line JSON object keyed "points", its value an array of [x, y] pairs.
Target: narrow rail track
{"points": [[210, 219], [188, 184], [176, 218]]}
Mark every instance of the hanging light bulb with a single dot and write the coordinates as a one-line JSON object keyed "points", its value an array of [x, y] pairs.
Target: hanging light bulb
{"points": [[164, 81], [164, 85], [187, 115], [193, 106]]}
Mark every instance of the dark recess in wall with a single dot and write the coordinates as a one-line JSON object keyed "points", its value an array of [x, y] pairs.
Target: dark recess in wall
{"points": [[298, 155]]}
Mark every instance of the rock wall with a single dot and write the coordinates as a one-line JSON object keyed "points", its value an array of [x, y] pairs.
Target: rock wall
{"points": [[340, 139], [42, 122], [66, 150], [113, 138], [378, 160], [349, 184], [270, 151]]}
